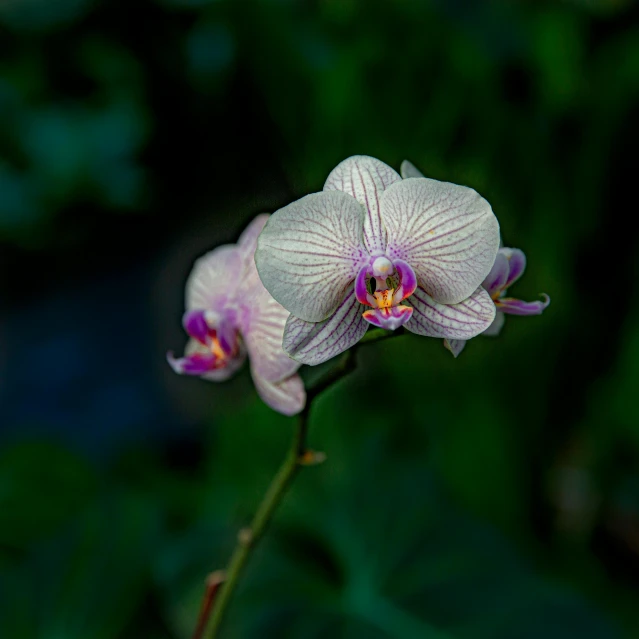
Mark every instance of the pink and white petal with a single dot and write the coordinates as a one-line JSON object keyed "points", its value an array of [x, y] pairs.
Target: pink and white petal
{"points": [[389, 319], [310, 252], [407, 281], [248, 240], [287, 396], [365, 178], [214, 278], [447, 233], [512, 306], [361, 289], [496, 280], [455, 346], [409, 170], [516, 262], [261, 323], [263, 332], [196, 326], [195, 364], [231, 366], [198, 360], [451, 321], [222, 374], [495, 328], [313, 343]]}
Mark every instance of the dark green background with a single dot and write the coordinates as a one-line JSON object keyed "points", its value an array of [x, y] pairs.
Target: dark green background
{"points": [[494, 496]]}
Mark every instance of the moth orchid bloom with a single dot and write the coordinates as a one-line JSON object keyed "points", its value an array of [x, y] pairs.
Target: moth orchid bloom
{"points": [[230, 314], [372, 248], [507, 269]]}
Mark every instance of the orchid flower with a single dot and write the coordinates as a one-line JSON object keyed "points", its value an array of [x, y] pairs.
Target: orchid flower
{"points": [[372, 248], [508, 268], [229, 313]]}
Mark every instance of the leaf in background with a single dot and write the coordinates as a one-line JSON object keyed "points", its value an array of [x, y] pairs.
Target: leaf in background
{"points": [[42, 485], [86, 581]]}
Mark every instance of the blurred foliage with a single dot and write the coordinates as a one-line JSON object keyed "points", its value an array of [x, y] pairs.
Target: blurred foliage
{"points": [[496, 495]]}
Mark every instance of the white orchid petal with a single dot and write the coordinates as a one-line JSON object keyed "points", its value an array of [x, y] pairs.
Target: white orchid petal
{"points": [[495, 328], [451, 321], [310, 251], [313, 343], [365, 178], [455, 346], [248, 240], [409, 170], [214, 278], [447, 233], [263, 332], [287, 396]]}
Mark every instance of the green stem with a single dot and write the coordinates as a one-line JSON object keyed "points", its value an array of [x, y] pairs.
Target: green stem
{"points": [[297, 456], [249, 537]]}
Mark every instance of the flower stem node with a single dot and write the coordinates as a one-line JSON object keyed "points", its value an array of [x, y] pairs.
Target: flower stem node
{"points": [[311, 458], [215, 579], [245, 536]]}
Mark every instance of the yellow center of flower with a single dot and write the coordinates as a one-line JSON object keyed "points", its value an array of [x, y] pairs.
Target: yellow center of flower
{"points": [[384, 299], [217, 350]]}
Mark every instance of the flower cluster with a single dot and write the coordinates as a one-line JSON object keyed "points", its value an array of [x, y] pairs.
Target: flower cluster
{"points": [[229, 313], [508, 268], [373, 248]]}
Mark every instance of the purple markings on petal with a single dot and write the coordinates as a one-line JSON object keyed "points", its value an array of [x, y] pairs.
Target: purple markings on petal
{"points": [[516, 262], [310, 252], [227, 338], [195, 325], [447, 233], [455, 346], [388, 318], [365, 178], [512, 306], [200, 360], [361, 292], [496, 280], [194, 364], [313, 343], [407, 278], [452, 321]]}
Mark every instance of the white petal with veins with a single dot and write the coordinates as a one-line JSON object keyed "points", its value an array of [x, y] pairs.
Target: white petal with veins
{"points": [[310, 251], [447, 233]]}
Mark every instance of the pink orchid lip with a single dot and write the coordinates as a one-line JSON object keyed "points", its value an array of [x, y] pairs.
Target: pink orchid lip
{"points": [[389, 318], [215, 333], [220, 344], [386, 311], [196, 326], [195, 364]]}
